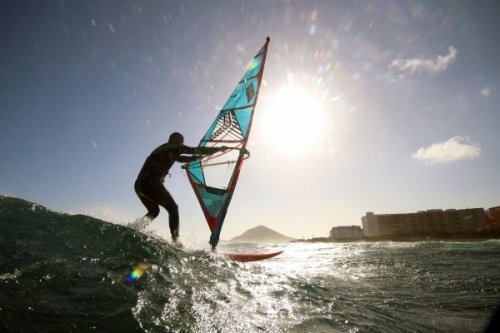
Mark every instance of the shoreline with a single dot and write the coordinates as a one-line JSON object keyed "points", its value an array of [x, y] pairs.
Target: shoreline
{"points": [[466, 238]]}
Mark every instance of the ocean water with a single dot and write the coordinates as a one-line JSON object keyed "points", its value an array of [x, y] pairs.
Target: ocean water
{"points": [[71, 273]]}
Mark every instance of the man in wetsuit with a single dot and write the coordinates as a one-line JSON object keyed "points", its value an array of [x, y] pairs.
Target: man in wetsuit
{"points": [[149, 184]]}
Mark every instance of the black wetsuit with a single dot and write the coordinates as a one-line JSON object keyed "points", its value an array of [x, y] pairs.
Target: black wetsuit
{"points": [[149, 184]]}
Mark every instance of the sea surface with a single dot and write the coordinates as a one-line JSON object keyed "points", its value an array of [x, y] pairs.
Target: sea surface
{"points": [[72, 273]]}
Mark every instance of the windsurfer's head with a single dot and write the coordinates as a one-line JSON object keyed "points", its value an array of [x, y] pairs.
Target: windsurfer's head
{"points": [[176, 137]]}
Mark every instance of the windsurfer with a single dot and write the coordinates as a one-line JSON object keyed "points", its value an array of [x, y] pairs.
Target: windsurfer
{"points": [[149, 184]]}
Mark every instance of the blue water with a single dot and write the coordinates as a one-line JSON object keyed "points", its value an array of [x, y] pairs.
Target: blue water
{"points": [[68, 273]]}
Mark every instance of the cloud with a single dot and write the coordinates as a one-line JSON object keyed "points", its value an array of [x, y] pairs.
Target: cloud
{"points": [[407, 67], [485, 91], [455, 149]]}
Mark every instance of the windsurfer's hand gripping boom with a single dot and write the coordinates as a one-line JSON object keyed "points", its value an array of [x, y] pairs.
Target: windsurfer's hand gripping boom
{"points": [[207, 151]]}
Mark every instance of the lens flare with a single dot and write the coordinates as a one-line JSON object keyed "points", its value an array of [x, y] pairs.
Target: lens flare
{"points": [[136, 274], [254, 63]]}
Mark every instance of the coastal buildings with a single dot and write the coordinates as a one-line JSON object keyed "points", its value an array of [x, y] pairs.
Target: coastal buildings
{"points": [[430, 222], [346, 233], [494, 218], [435, 223]]}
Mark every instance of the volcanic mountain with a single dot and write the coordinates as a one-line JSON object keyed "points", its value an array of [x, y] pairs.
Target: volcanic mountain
{"points": [[262, 234]]}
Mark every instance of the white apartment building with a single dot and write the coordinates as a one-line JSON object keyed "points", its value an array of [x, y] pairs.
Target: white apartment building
{"points": [[346, 232]]}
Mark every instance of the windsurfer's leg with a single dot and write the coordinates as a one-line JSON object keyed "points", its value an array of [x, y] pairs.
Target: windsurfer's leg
{"points": [[167, 201], [153, 211], [148, 202]]}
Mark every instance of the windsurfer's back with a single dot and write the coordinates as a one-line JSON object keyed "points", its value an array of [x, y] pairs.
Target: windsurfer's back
{"points": [[158, 164]]}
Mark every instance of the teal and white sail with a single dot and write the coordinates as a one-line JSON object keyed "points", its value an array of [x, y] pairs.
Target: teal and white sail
{"points": [[214, 177]]}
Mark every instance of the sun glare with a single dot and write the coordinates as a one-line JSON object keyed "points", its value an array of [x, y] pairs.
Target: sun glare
{"points": [[293, 121]]}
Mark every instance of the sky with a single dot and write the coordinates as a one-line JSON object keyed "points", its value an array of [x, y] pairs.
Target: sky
{"points": [[366, 106]]}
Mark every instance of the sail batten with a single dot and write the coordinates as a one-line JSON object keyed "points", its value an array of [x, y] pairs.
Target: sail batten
{"points": [[214, 177]]}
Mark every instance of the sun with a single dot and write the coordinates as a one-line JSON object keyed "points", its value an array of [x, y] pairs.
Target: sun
{"points": [[293, 121]]}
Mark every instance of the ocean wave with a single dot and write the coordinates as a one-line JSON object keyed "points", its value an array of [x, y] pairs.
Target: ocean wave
{"points": [[74, 273]]}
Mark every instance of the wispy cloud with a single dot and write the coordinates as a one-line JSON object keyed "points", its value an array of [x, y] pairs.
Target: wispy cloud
{"points": [[407, 67], [455, 149], [485, 91]]}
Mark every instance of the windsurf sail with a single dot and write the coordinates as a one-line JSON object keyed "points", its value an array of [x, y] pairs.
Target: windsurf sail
{"points": [[214, 177]]}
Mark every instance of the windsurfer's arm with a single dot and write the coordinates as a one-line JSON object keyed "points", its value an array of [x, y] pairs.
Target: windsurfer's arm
{"points": [[210, 150], [188, 159], [197, 153], [204, 150]]}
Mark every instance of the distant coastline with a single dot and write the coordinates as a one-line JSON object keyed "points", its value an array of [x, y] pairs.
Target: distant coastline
{"points": [[473, 236]]}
